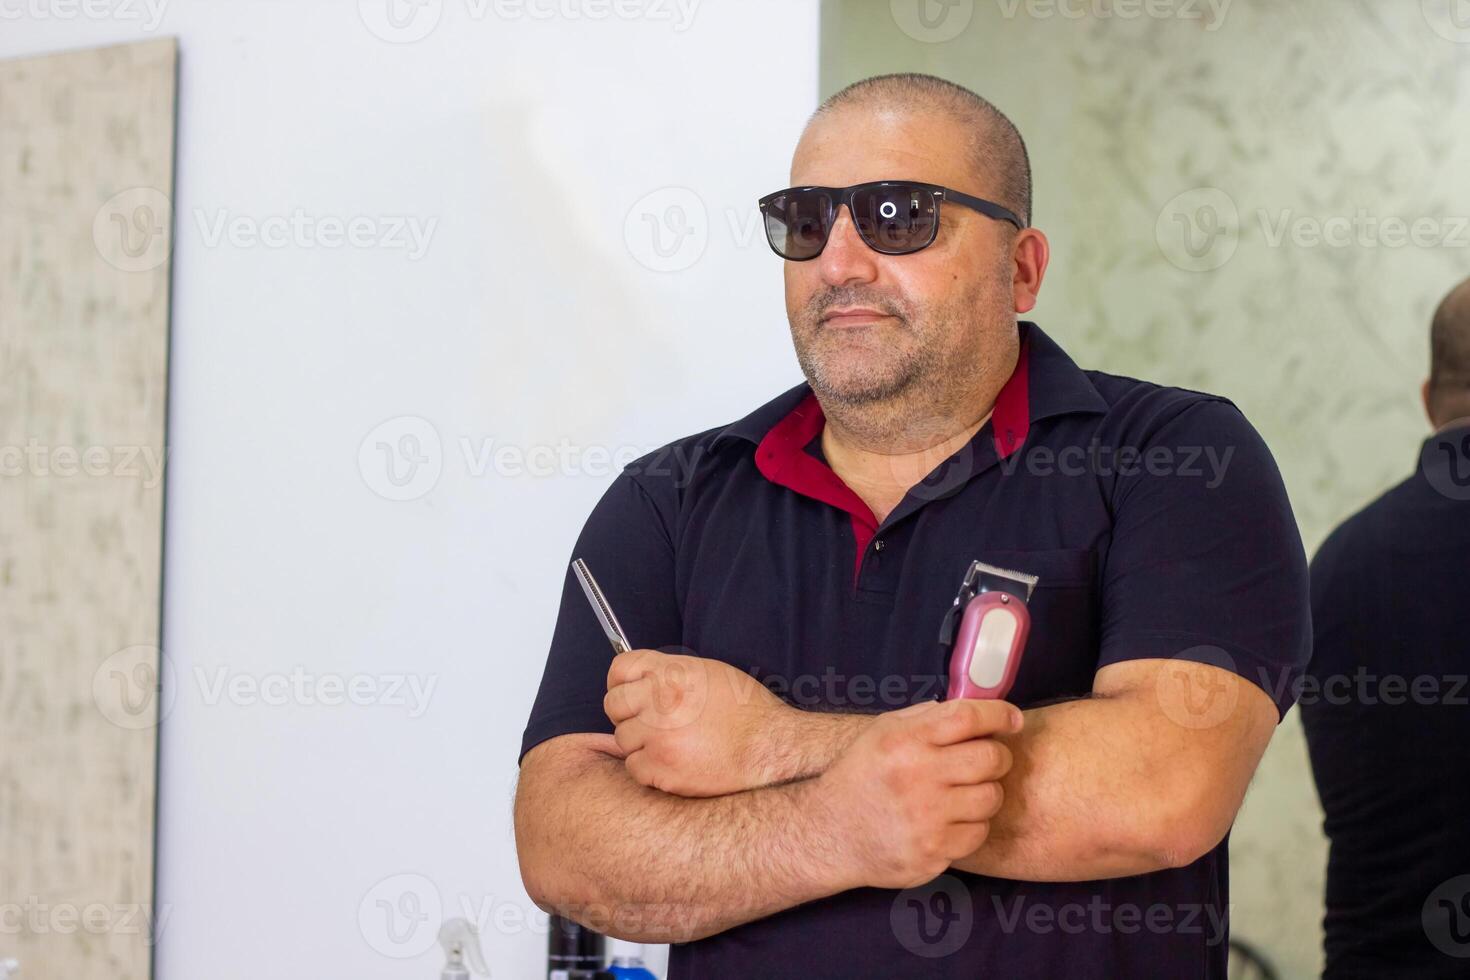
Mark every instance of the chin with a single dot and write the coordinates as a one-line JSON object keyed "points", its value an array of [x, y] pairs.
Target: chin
{"points": [[854, 386]]}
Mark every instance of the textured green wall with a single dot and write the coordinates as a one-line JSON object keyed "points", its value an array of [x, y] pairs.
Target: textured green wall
{"points": [[1250, 117]]}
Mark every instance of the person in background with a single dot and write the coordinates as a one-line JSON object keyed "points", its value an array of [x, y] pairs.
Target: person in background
{"points": [[1386, 704]]}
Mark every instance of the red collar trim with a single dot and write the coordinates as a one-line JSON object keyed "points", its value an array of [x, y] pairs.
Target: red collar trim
{"points": [[782, 457], [1010, 420]]}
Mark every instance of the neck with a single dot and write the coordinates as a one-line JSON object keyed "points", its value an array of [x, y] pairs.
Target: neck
{"points": [[882, 449], [1454, 423]]}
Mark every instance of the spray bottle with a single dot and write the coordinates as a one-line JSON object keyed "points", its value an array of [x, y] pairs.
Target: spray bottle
{"points": [[461, 942]]}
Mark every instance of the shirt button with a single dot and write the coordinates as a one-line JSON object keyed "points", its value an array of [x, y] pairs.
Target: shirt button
{"points": [[878, 545]]}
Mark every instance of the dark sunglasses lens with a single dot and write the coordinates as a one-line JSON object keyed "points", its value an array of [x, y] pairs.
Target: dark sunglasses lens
{"points": [[798, 223], [896, 219]]}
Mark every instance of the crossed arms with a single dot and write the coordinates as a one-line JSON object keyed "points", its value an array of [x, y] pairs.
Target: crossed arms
{"points": [[715, 803]]}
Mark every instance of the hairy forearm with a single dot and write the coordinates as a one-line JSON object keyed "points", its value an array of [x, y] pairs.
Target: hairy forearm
{"points": [[804, 743], [640, 864], [1101, 788]]}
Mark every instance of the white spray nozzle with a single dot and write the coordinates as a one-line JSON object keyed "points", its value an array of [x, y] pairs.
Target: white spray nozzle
{"points": [[461, 942]]}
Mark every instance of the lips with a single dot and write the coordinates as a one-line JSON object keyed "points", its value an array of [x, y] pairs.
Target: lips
{"points": [[853, 315]]}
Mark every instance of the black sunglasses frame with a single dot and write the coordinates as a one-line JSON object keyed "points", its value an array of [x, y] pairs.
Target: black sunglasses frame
{"points": [[846, 195]]}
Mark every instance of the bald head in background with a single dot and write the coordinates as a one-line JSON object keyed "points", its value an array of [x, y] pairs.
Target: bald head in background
{"points": [[1447, 392]]}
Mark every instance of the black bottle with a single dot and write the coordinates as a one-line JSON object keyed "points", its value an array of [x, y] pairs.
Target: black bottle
{"points": [[575, 949]]}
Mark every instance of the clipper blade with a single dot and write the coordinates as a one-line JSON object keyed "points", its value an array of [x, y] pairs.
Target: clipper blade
{"points": [[984, 577]]}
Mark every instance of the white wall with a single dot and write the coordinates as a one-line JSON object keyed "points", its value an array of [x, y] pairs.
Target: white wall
{"points": [[533, 312]]}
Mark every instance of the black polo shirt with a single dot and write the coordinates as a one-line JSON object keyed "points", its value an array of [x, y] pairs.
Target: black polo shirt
{"points": [[1386, 708], [1159, 526]]}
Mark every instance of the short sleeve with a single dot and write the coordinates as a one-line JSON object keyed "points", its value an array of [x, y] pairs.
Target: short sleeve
{"points": [[628, 548], [1206, 562]]}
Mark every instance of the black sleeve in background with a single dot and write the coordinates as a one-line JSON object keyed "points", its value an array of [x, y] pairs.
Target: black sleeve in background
{"points": [[627, 546]]}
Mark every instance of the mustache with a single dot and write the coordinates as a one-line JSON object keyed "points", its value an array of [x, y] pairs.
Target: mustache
{"points": [[821, 302]]}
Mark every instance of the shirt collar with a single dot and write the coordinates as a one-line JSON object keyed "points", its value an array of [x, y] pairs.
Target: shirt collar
{"points": [[1045, 383]]}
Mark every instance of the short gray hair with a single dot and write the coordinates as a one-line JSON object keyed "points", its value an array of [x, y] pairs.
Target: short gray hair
{"points": [[996, 147]]}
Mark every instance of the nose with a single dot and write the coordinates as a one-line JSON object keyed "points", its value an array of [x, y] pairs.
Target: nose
{"points": [[846, 258]]}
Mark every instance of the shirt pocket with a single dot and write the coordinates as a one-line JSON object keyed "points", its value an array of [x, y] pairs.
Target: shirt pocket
{"points": [[1061, 653]]}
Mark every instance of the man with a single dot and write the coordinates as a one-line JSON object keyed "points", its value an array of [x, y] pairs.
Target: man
{"points": [[1386, 704], [854, 826]]}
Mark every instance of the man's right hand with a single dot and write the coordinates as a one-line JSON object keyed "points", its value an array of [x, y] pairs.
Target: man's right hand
{"points": [[916, 790]]}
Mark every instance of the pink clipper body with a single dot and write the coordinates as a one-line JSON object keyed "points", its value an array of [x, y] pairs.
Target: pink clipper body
{"points": [[992, 632]]}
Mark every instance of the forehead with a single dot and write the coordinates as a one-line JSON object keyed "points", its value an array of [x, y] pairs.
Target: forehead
{"points": [[861, 143]]}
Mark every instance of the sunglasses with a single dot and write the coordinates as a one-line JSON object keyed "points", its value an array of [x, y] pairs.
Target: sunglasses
{"points": [[894, 217]]}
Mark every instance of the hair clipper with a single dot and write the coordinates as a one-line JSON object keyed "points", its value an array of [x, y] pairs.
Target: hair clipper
{"points": [[985, 631]]}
